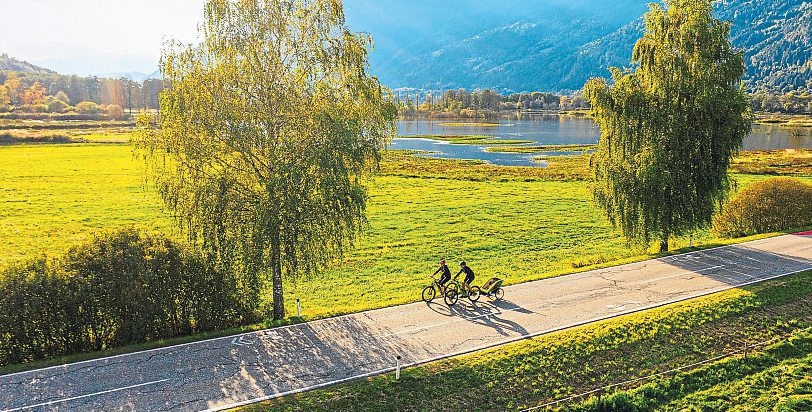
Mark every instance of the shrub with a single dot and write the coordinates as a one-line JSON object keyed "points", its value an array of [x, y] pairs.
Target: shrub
{"points": [[115, 111], [121, 288], [38, 108], [88, 108], [766, 206], [57, 106], [60, 95]]}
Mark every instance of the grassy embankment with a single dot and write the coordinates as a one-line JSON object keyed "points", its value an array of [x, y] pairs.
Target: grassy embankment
{"points": [[550, 367], [471, 140], [784, 120], [35, 131], [517, 222], [471, 124], [543, 148], [576, 113], [777, 379]]}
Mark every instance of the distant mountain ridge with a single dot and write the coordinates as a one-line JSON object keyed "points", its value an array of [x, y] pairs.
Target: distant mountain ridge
{"points": [[8, 63], [134, 76], [558, 47], [551, 45]]}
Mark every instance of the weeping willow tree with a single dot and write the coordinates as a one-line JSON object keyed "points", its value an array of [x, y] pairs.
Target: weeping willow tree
{"points": [[670, 125], [269, 130]]}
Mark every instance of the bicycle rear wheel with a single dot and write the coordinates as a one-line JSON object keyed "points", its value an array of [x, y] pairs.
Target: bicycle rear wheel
{"points": [[474, 294], [451, 297]]}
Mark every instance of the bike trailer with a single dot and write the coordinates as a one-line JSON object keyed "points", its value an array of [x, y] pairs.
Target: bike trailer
{"points": [[491, 285]]}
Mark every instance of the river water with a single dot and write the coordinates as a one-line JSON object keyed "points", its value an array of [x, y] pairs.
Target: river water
{"points": [[553, 130]]}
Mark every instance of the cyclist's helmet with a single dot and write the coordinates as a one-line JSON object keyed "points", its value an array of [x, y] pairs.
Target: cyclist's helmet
{"points": [[462, 263]]}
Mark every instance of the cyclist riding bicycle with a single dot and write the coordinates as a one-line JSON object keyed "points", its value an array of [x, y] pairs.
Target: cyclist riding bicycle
{"points": [[446, 276], [469, 276]]}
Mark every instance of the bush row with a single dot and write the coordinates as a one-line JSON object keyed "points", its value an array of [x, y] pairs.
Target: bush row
{"points": [[767, 206], [66, 125], [56, 116], [120, 288], [10, 139], [57, 107]]}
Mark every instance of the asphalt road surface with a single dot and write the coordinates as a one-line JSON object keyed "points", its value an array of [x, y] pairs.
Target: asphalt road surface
{"points": [[232, 371]]}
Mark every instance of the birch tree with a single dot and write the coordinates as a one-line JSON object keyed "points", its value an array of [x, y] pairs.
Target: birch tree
{"points": [[669, 125], [269, 131]]}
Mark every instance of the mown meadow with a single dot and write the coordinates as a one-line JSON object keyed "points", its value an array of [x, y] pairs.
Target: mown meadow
{"points": [[518, 223], [55, 195]]}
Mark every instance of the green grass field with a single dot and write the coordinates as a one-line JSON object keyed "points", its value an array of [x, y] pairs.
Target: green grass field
{"points": [[55, 195], [518, 223], [52, 196]]}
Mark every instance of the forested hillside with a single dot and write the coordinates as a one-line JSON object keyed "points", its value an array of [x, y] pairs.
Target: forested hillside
{"points": [[558, 46], [777, 35], [12, 64]]}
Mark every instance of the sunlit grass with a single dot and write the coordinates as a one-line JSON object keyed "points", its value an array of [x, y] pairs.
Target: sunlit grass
{"points": [[543, 148], [789, 121], [472, 124], [471, 140], [52, 196], [774, 162], [776, 379], [520, 223]]}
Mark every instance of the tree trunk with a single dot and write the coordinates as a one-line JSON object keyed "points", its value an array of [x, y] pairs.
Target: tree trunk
{"points": [[664, 243], [276, 278]]}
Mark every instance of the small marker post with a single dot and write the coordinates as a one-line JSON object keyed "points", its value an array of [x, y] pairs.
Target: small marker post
{"points": [[692, 241], [397, 369], [298, 309]]}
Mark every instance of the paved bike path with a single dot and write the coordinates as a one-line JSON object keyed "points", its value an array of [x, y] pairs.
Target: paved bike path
{"points": [[227, 372]]}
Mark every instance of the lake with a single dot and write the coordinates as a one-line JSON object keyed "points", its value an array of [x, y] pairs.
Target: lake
{"points": [[553, 130]]}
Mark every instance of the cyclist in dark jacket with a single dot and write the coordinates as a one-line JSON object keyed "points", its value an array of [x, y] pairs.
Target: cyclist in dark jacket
{"points": [[446, 276], [469, 276]]}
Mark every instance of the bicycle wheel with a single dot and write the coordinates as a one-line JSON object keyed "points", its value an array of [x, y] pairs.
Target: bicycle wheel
{"points": [[499, 293], [429, 293], [453, 286], [451, 297], [474, 294]]}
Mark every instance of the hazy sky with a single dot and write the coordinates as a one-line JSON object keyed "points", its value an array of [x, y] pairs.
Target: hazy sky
{"points": [[99, 36], [95, 36]]}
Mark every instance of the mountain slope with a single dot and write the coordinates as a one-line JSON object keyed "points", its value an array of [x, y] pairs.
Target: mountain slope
{"points": [[134, 76], [559, 46], [777, 37], [514, 57], [12, 64]]}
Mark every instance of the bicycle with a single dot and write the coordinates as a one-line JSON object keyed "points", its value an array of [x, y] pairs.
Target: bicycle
{"points": [[455, 289], [430, 292]]}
